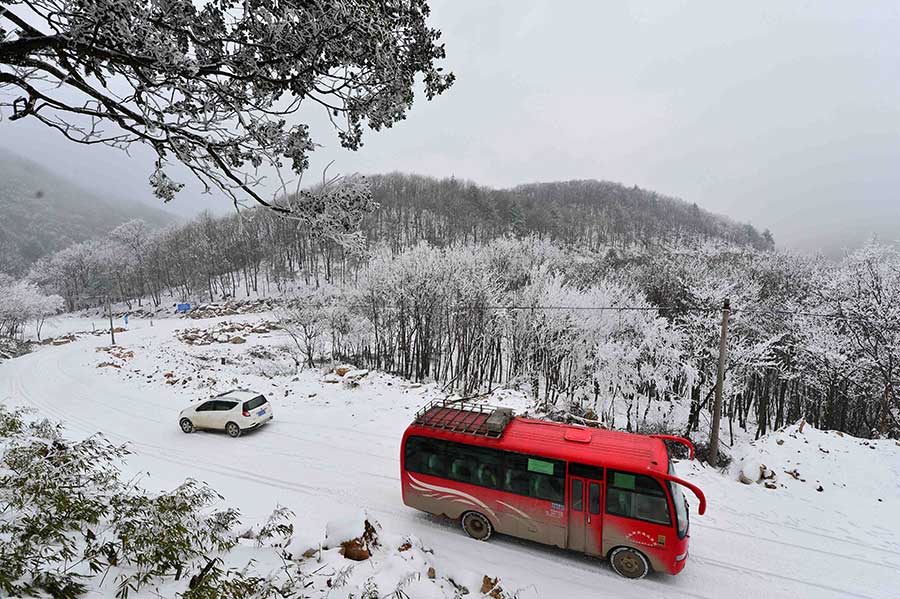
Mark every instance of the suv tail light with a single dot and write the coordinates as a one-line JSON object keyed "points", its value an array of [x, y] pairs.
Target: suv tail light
{"points": [[246, 414]]}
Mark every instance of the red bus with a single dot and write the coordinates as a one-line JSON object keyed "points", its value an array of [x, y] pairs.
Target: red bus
{"points": [[604, 493]]}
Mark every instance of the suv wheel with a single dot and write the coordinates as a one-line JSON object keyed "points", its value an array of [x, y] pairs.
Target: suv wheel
{"points": [[233, 430], [186, 425]]}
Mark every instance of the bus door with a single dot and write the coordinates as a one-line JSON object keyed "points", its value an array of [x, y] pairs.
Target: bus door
{"points": [[585, 493]]}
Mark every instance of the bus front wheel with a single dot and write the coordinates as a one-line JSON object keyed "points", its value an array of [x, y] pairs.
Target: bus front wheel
{"points": [[477, 526], [629, 562]]}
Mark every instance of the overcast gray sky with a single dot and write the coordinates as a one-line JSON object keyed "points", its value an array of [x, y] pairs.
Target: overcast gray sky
{"points": [[783, 114]]}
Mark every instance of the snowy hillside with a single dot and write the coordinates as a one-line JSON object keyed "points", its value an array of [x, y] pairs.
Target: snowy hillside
{"points": [[333, 449], [44, 213]]}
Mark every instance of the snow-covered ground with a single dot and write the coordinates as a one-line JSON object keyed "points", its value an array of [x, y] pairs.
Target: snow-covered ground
{"points": [[333, 450]]}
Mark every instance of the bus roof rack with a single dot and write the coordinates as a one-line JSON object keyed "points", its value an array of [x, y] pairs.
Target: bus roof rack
{"points": [[464, 417]]}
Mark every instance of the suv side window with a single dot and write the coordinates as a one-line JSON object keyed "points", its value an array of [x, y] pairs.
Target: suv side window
{"points": [[224, 406], [207, 407]]}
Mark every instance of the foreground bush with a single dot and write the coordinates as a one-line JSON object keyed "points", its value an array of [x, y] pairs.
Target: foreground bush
{"points": [[69, 523]]}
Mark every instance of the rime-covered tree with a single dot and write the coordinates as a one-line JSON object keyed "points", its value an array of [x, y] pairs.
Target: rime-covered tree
{"points": [[865, 292], [217, 86], [22, 302]]}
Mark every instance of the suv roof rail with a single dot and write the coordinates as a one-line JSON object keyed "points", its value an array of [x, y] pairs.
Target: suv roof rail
{"points": [[224, 393], [460, 416]]}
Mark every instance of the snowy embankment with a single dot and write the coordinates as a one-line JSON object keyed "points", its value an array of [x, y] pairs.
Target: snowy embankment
{"points": [[333, 449]]}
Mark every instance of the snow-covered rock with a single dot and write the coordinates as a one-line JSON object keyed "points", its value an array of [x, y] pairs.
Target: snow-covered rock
{"points": [[355, 374], [806, 461], [343, 369], [351, 526]]}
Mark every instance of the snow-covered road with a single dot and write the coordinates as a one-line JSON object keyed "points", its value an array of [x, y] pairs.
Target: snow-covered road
{"points": [[337, 451]]}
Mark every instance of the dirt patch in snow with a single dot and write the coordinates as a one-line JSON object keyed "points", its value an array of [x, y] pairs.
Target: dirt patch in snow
{"points": [[231, 307], [225, 332]]}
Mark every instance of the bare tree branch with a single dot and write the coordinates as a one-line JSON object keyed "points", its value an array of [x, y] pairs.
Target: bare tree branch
{"points": [[212, 87]]}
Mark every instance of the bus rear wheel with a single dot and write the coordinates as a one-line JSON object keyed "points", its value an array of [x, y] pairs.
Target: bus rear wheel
{"points": [[629, 563], [477, 526]]}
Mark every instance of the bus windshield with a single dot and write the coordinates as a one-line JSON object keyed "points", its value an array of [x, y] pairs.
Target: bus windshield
{"points": [[681, 511]]}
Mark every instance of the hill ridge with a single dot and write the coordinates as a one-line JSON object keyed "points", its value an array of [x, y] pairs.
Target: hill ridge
{"points": [[585, 212], [44, 212]]}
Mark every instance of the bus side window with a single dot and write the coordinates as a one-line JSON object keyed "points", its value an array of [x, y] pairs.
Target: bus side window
{"points": [[586, 471], [436, 465], [517, 480], [636, 496], [549, 488], [531, 476], [462, 469], [486, 476], [577, 495], [416, 454], [425, 456], [488, 466], [594, 498], [535, 477]]}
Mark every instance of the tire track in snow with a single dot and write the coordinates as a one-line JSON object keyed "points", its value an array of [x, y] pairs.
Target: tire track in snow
{"points": [[92, 398], [892, 566], [725, 508], [768, 574], [161, 453], [164, 454], [496, 560], [395, 459]]}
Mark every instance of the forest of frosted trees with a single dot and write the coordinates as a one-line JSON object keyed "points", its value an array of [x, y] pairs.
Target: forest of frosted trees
{"points": [[260, 252], [601, 302]]}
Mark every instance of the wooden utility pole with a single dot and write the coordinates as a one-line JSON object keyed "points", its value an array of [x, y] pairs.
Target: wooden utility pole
{"points": [[720, 377], [112, 333]]}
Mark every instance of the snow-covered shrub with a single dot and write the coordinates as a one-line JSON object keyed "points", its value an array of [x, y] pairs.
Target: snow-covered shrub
{"points": [[22, 302], [309, 317], [69, 522]]}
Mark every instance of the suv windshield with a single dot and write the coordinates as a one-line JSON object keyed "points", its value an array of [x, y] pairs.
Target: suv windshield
{"points": [[681, 511], [254, 403]]}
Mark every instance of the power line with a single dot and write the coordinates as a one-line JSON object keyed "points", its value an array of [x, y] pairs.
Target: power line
{"points": [[678, 309], [749, 311], [823, 315], [574, 308]]}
